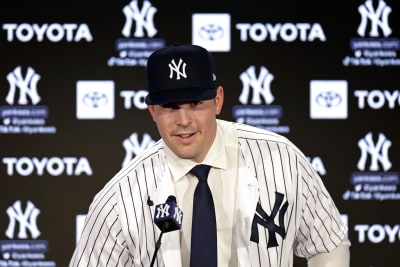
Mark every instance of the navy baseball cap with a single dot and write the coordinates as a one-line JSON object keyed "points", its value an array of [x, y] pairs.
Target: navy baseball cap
{"points": [[180, 73]]}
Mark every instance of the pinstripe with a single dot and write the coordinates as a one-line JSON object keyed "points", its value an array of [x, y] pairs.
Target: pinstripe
{"points": [[109, 256], [119, 258], [148, 197], [126, 218], [296, 204], [104, 244], [291, 210], [143, 214], [258, 177], [85, 245], [310, 239], [119, 230], [98, 235], [263, 173], [130, 231], [324, 226], [126, 262], [321, 238]]}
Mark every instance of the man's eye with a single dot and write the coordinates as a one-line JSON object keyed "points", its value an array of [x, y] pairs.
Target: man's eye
{"points": [[196, 102], [170, 105], [177, 105]]}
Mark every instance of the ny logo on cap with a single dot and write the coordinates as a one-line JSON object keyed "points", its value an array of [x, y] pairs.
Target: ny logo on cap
{"points": [[179, 69]]}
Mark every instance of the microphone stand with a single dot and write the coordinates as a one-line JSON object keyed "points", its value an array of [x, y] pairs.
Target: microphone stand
{"points": [[158, 244]]}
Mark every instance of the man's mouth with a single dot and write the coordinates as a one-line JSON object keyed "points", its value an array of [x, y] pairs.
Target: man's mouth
{"points": [[185, 135]]}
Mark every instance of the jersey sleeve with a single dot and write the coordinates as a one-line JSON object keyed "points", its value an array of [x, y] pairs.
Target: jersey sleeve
{"points": [[321, 227], [101, 242]]}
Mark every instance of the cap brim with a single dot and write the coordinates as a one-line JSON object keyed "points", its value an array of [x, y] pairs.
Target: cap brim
{"points": [[179, 95]]}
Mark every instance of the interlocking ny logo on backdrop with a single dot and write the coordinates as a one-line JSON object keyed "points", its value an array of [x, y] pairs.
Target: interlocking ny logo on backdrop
{"points": [[133, 147], [143, 18], [375, 180], [378, 18], [261, 86], [267, 221], [27, 86], [26, 219], [256, 90], [179, 69], [23, 248], [379, 152], [23, 115], [376, 46], [139, 34]]}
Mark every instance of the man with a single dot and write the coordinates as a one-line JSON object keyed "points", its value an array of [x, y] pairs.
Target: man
{"points": [[268, 201]]}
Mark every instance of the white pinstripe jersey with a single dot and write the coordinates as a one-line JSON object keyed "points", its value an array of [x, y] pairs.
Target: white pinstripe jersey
{"points": [[119, 229]]}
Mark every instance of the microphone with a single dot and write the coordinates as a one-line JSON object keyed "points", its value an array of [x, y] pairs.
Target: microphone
{"points": [[168, 217]]}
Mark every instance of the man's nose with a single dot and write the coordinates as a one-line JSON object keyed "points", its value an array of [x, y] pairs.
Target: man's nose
{"points": [[183, 116]]}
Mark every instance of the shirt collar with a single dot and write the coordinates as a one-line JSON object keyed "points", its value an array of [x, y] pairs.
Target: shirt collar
{"points": [[180, 167]]}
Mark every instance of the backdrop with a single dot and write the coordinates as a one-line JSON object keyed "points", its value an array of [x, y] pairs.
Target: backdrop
{"points": [[72, 113]]}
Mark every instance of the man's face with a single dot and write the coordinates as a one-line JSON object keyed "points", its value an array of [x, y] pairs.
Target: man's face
{"points": [[188, 128]]}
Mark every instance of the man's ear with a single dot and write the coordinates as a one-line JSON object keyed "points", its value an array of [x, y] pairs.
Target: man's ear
{"points": [[150, 108], [219, 100]]}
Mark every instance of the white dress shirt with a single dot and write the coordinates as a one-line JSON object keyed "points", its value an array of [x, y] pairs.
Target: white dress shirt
{"points": [[223, 154]]}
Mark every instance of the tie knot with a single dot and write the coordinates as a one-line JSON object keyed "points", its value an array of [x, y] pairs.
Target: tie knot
{"points": [[201, 171]]}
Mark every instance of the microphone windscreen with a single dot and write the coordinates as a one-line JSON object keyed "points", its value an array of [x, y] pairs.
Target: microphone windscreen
{"points": [[168, 216]]}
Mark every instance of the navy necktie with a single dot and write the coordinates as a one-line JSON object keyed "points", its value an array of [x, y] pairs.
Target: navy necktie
{"points": [[203, 251]]}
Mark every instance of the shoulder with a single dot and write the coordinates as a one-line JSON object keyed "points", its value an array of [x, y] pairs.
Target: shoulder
{"points": [[249, 132], [250, 137], [141, 165], [151, 154]]}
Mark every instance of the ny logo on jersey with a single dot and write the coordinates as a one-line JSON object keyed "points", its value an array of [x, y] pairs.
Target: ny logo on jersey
{"points": [[378, 152], [260, 85], [27, 220], [143, 18], [27, 86], [132, 146], [267, 221], [378, 18], [179, 69]]}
